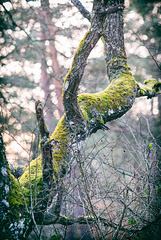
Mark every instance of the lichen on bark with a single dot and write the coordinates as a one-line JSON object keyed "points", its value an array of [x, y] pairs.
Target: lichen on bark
{"points": [[14, 219], [110, 103]]}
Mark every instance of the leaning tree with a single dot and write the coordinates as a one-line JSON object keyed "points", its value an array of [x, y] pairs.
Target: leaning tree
{"points": [[36, 197]]}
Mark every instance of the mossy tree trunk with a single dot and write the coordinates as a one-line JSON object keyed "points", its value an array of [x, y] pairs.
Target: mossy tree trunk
{"points": [[37, 196], [15, 220]]}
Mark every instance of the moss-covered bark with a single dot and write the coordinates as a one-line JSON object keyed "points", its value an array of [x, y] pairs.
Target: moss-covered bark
{"points": [[15, 221]]}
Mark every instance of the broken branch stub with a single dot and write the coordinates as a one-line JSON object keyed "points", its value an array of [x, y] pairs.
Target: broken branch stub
{"points": [[46, 148]]}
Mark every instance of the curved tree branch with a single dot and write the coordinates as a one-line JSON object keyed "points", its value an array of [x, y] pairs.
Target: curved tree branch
{"points": [[70, 89]]}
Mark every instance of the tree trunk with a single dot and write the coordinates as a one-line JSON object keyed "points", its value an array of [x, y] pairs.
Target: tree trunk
{"points": [[48, 31], [56, 70], [15, 220]]}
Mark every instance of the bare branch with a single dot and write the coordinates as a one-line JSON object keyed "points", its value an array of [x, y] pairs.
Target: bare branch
{"points": [[46, 147], [120, 223], [82, 9], [40, 119], [143, 43]]}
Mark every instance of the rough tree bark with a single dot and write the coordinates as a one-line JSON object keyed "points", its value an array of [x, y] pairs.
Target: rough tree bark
{"points": [[36, 197]]}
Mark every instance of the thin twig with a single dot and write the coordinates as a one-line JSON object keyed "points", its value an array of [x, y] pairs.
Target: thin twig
{"points": [[147, 49]]}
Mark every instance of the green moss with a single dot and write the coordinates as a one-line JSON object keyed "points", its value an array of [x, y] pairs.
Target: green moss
{"points": [[150, 82], [17, 219], [77, 53], [101, 107], [65, 84], [64, 220], [35, 170], [16, 200], [81, 45], [61, 135], [31, 179], [149, 89], [118, 65], [117, 97], [132, 220]]}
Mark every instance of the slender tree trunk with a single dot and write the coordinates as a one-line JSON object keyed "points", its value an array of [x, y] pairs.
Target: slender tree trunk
{"points": [[49, 108], [45, 79], [56, 70], [49, 31]]}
